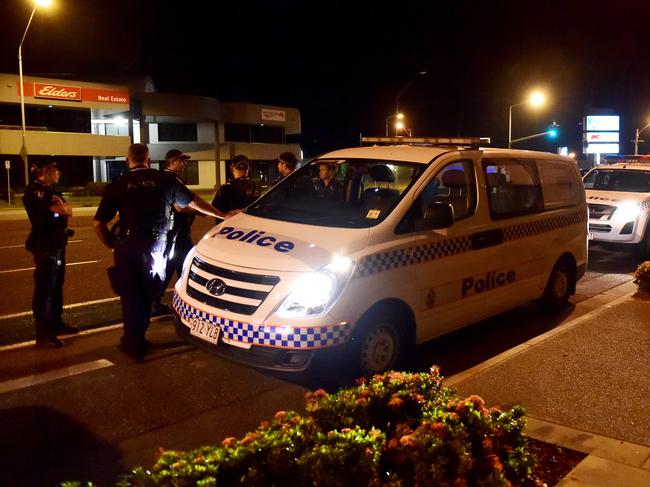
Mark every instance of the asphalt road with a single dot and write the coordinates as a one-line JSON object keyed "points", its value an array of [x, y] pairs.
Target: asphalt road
{"points": [[87, 412]]}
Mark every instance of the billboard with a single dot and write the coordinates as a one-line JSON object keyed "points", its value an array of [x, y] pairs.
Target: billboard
{"points": [[603, 122], [602, 149], [601, 137]]}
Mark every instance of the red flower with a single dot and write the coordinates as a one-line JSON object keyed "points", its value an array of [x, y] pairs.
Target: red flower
{"points": [[407, 440], [393, 443], [158, 453], [320, 393], [395, 402], [229, 441], [280, 415], [495, 463], [249, 438]]}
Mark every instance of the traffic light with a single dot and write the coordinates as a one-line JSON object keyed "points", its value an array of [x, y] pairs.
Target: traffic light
{"points": [[553, 130]]}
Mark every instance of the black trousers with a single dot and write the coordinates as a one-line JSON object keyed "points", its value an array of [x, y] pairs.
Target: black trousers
{"points": [[182, 246], [141, 269], [47, 301]]}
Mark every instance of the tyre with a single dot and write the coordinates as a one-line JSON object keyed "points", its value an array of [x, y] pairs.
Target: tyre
{"points": [[378, 347], [560, 286]]}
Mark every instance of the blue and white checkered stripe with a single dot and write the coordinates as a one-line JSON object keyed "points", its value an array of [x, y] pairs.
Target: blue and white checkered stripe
{"points": [[305, 338], [407, 256]]}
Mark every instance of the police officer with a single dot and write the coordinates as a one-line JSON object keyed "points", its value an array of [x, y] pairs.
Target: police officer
{"points": [[48, 213], [326, 185], [179, 238], [241, 191], [143, 199], [287, 162]]}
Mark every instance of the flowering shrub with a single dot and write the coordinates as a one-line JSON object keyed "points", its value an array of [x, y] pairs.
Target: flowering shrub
{"points": [[397, 429], [642, 277]]}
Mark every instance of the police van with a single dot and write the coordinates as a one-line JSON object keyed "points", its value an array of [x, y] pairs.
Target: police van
{"points": [[618, 196], [417, 239]]}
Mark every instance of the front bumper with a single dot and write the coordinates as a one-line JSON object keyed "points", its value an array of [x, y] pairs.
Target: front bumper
{"points": [[270, 347], [614, 232]]}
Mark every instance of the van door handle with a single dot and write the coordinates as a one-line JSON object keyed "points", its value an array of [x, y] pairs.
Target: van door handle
{"points": [[489, 238]]}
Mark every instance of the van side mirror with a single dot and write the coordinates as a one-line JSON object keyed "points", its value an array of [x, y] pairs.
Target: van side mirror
{"points": [[436, 215]]}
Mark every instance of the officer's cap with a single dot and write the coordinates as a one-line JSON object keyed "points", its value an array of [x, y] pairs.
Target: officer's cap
{"points": [[39, 165], [175, 154]]}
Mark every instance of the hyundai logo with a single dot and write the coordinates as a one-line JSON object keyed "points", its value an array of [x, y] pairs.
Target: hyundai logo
{"points": [[216, 287]]}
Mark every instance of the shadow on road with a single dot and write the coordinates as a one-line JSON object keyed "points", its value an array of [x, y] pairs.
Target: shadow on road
{"points": [[43, 447], [605, 260]]}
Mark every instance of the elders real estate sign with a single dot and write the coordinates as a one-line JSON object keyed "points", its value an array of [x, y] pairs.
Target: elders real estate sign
{"points": [[52, 91]]}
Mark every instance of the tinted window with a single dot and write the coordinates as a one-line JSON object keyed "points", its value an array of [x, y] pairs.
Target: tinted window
{"points": [[513, 187], [618, 180], [174, 132], [559, 183]]}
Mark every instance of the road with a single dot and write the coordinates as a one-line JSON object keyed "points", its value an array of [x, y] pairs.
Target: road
{"points": [[87, 412]]}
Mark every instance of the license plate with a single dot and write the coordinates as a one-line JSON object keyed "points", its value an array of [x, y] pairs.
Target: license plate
{"points": [[590, 236], [205, 330]]}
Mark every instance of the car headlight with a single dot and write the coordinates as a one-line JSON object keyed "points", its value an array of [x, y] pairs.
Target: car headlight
{"points": [[315, 292], [628, 211], [186, 264]]}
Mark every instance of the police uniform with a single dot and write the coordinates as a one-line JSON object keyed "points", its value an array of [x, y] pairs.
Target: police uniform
{"points": [[179, 243], [46, 241], [143, 197], [236, 194], [330, 191]]}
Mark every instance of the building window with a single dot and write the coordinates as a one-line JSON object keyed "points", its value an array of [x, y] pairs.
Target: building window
{"points": [[260, 134], [177, 132], [191, 173]]}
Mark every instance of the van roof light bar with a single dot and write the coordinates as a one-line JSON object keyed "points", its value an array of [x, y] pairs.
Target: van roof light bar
{"points": [[453, 141]]}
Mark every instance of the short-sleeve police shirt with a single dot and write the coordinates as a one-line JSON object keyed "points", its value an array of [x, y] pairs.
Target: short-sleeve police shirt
{"points": [[143, 198], [48, 228]]}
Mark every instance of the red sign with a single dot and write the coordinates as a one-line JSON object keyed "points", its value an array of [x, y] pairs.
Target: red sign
{"points": [[57, 92], [75, 93]]}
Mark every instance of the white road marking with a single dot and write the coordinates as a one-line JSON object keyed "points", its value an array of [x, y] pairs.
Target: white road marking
{"points": [[33, 380], [69, 306], [32, 268], [22, 246]]}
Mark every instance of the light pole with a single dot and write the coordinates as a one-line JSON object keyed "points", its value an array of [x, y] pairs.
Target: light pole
{"points": [[536, 99], [398, 116], [636, 139], [23, 150], [408, 85]]}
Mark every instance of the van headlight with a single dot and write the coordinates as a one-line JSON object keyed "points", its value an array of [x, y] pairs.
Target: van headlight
{"points": [[314, 293], [627, 211], [186, 264]]}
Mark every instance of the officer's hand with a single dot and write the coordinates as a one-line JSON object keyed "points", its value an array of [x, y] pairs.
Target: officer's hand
{"points": [[57, 200]]}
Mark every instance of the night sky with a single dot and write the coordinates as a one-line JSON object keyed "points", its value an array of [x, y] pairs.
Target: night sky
{"points": [[343, 63]]}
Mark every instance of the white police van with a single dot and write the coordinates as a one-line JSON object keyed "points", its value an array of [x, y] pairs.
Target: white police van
{"points": [[412, 241], [618, 196]]}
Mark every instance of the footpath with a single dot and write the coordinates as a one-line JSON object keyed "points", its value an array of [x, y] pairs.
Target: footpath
{"points": [[585, 385]]}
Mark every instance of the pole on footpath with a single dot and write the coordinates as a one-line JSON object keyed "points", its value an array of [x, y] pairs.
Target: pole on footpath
{"points": [[7, 167]]}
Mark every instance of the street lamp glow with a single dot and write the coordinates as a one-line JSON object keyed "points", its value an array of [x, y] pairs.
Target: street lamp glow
{"points": [[23, 150], [399, 125], [400, 116], [537, 99]]}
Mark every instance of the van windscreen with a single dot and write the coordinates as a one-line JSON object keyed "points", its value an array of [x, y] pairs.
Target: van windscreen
{"points": [[345, 193]]}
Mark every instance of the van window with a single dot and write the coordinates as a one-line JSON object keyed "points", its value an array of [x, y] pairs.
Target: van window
{"points": [[513, 187], [345, 193], [628, 180], [559, 182], [454, 184]]}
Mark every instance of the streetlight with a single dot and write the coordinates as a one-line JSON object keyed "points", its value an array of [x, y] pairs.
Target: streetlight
{"points": [[398, 116], [536, 99], [23, 150], [636, 139], [399, 95]]}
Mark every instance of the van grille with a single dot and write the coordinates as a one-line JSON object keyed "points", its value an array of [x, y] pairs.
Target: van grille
{"points": [[243, 292], [597, 212]]}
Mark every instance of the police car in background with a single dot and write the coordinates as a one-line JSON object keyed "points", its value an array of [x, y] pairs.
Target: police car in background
{"points": [[618, 196], [423, 237]]}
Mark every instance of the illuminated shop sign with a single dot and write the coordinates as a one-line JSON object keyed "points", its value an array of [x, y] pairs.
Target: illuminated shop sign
{"points": [[273, 115], [601, 137], [57, 92], [52, 91], [602, 149], [603, 122]]}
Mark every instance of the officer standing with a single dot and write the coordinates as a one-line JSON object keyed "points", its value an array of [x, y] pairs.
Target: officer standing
{"points": [[179, 238], [48, 213], [287, 162], [241, 191], [143, 199]]}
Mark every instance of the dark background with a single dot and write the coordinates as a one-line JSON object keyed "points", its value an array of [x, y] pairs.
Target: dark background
{"points": [[343, 63]]}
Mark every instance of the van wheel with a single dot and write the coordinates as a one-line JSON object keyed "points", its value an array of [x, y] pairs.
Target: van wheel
{"points": [[558, 289], [377, 348]]}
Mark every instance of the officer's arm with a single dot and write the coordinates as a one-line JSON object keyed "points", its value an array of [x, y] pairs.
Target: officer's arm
{"points": [[206, 208], [104, 234]]}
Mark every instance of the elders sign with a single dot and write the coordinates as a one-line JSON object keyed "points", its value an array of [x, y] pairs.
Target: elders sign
{"points": [[57, 92]]}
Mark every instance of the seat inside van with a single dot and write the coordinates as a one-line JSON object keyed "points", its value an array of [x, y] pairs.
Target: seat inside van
{"points": [[456, 182], [379, 198]]}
